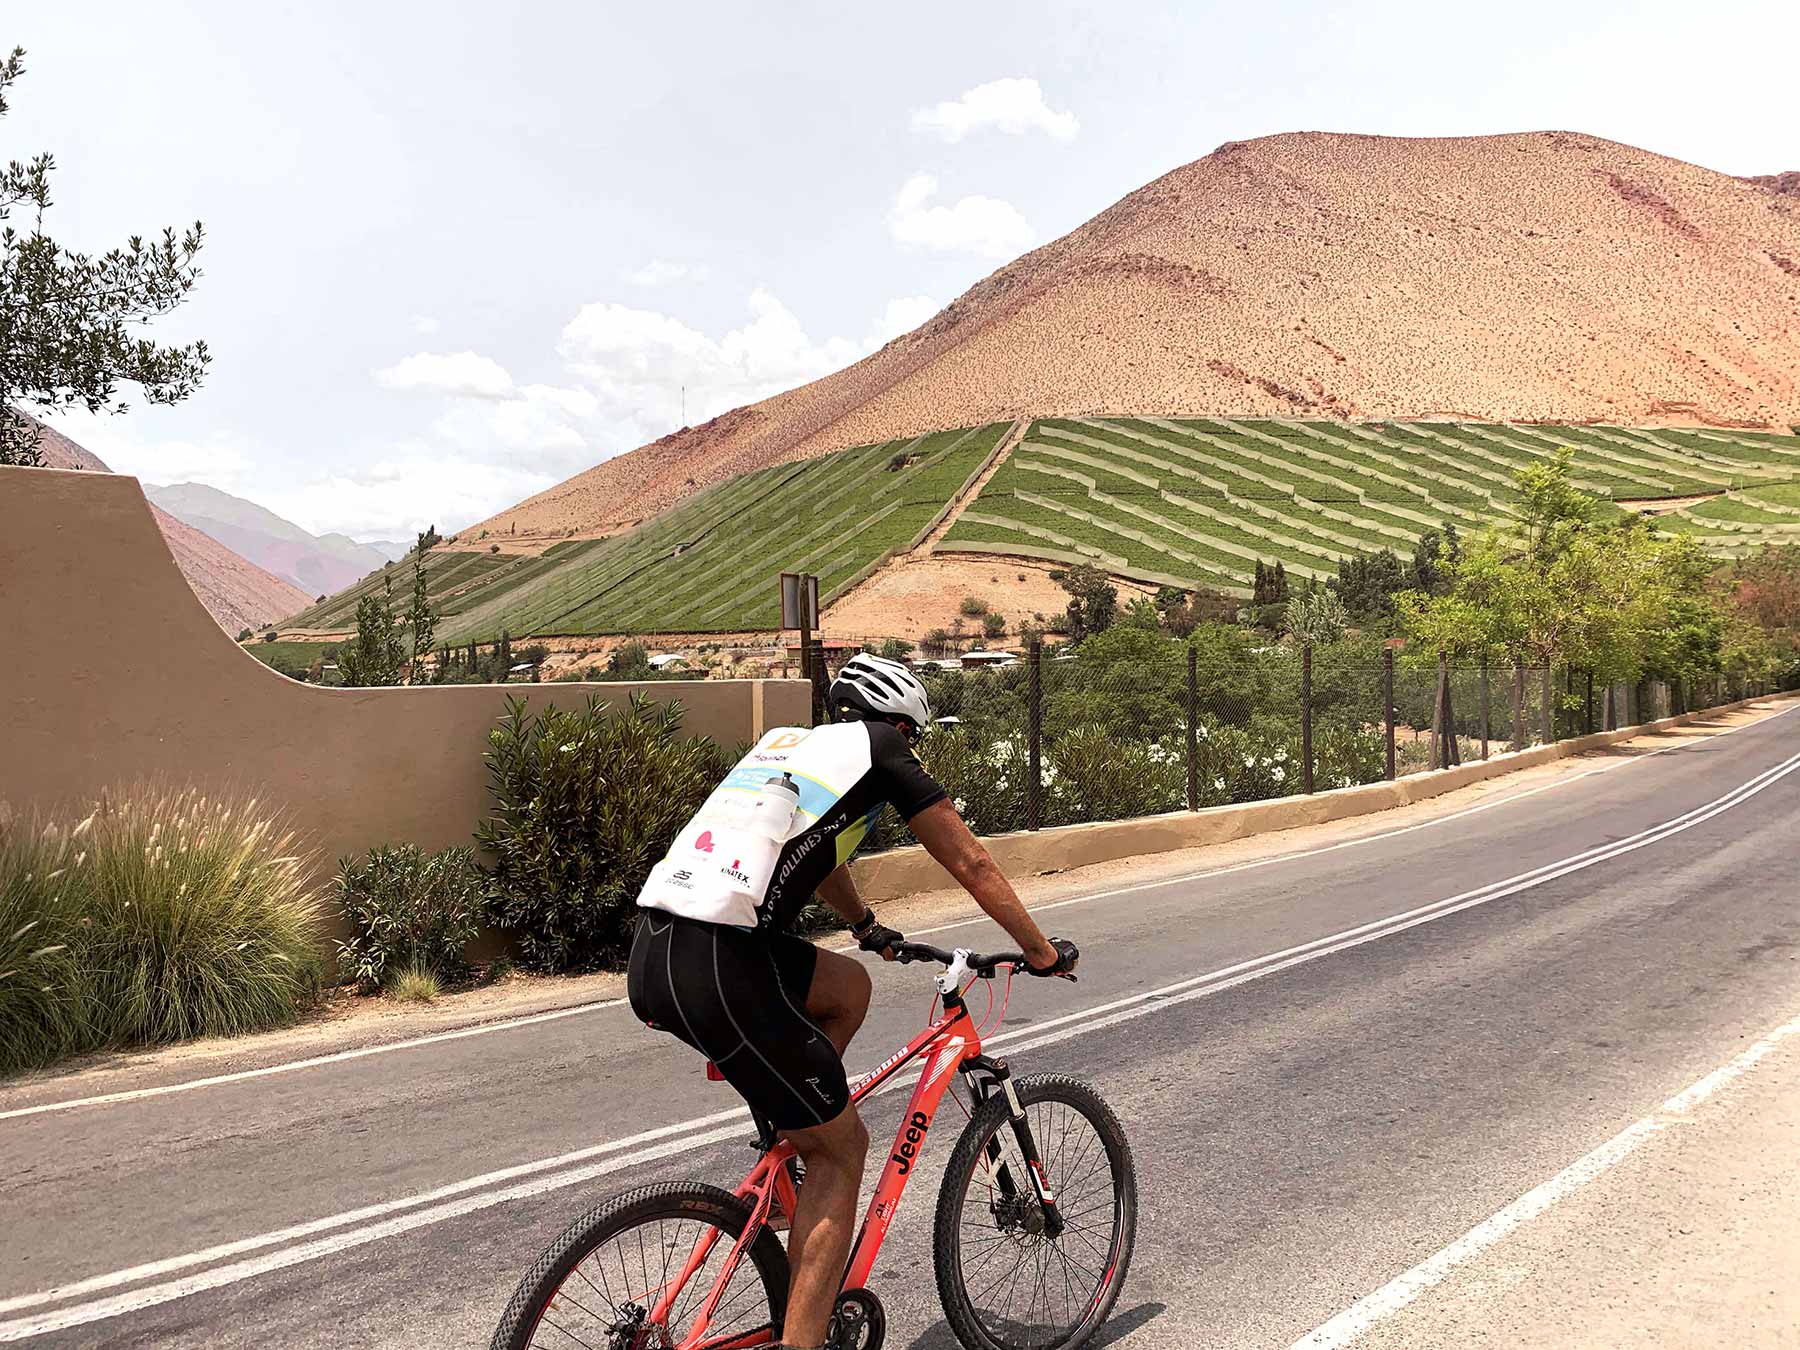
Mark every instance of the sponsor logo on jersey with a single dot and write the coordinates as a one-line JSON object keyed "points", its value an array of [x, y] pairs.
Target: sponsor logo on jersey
{"points": [[704, 844]]}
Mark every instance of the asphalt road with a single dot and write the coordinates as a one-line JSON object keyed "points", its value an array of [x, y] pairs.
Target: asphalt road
{"points": [[1302, 1136]]}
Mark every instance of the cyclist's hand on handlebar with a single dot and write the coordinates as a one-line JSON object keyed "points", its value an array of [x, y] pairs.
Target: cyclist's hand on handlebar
{"points": [[1068, 956], [880, 938]]}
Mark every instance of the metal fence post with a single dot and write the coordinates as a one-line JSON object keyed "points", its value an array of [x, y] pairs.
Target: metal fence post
{"points": [[1387, 697], [817, 654], [1587, 718], [1193, 730], [1034, 734], [1486, 707], [1306, 754], [1518, 736], [1549, 710]]}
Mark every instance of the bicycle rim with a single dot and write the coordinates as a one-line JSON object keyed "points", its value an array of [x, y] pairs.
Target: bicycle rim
{"points": [[1006, 1284], [601, 1284]]}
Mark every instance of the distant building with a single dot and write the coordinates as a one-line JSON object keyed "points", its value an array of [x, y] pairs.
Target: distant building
{"points": [[988, 660]]}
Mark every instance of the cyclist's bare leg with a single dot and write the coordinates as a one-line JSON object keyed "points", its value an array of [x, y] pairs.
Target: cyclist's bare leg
{"points": [[824, 1222], [839, 997]]}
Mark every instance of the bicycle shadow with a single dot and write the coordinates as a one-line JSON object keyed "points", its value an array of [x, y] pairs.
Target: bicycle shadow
{"points": [[1118, 1326]]}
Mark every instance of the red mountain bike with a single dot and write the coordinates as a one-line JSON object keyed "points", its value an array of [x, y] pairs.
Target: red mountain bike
{"points": [[1035, 1220]]}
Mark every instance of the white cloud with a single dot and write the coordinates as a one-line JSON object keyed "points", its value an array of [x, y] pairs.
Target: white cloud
{"points": [[637, 362], [123, 444], [424, 325], [396, 498], [1014, 106], [658, 272], [901, 316], [462, 373], [985, 226]]}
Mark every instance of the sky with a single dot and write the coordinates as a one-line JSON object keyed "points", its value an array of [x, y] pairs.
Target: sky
{"points": [[459, 251]]}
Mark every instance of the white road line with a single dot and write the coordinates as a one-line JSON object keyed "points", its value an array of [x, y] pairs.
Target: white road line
{"points": [[1051, 1032], [416, 1042], [1361, 1316], [290, 1066]]}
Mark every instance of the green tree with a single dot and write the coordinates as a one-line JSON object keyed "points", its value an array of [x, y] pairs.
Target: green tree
{"points": [[1093, 600], [630, 661], [69, 321], [428, 539], [421, 623], [1367, 584], [1316, 616], [375, 656], [895, 649]]}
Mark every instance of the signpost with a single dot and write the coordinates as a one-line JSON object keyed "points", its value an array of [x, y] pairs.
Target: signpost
{"points": [[800, 609]]}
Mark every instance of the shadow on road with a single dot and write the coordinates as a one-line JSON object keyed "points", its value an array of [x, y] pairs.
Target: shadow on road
{"points": [[1118, 1326]]}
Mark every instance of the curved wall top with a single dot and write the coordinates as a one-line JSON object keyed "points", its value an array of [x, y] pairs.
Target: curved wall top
{"points": [[111, 672]]}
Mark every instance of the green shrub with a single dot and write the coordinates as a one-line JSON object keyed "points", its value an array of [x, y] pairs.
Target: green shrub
{"points": [[973, 606], [409, 909], [414, 984], [585, 803], [993, 625], [200, 922], [163, 915], [43, 997]]}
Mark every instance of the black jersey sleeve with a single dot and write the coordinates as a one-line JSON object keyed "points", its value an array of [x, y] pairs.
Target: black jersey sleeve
{"points": [[900, 779]]}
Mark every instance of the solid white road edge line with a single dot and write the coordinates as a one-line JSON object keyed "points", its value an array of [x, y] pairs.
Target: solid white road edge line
{"points": [[1361, 1316], [1046, 1033], [508, 1024]]}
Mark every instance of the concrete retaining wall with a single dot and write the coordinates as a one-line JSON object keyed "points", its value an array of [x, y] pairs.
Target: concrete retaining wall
{"points": [[111, 673], [905, 871]]}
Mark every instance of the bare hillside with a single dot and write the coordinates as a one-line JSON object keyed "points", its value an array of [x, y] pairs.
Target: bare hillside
{"points": [[236, 592], [1540, 276]]}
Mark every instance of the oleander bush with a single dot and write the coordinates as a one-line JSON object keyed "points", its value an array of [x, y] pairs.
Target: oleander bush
{"points": [[409, 911], [160, 915], [585, 802]]}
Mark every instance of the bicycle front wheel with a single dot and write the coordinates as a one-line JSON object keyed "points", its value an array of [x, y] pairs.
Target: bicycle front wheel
{"points": [[1005, 1282], [662, 1248]]}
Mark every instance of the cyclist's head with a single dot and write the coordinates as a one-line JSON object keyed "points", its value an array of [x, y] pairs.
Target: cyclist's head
{"points": [[875, 689]]}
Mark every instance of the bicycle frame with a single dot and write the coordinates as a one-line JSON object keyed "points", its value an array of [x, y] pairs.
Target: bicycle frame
{"points": [[949, 1044]]}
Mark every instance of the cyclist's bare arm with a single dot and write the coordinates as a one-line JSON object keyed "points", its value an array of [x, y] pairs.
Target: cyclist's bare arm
{"points": [[950, 841], [839, 892]]}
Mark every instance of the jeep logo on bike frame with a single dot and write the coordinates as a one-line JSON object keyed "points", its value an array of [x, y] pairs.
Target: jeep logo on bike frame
{"points": [[910, 1141]]}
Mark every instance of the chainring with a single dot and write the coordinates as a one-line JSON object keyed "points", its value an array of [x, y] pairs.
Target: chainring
{"points": [[859, 1322]]}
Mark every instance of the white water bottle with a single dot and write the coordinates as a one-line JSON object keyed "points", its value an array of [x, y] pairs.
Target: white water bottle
{"points": [[763, 831]]}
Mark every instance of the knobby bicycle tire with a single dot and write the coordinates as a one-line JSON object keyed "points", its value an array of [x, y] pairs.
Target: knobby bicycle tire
{"points": [[991, 1119], [667, 1202]]}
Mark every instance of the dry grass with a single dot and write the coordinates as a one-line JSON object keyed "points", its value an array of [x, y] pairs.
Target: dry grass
{"points": [[414, 984]]}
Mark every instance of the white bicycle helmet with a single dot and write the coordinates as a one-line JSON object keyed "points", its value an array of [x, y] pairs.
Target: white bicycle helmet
{"points": [[875, 687]]}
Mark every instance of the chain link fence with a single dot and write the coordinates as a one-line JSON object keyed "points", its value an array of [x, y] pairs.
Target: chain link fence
{"points": [[1142, 725]]}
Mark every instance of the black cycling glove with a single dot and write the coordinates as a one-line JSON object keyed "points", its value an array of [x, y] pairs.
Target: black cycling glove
{"points": [[1067, 954], [873, 936]]}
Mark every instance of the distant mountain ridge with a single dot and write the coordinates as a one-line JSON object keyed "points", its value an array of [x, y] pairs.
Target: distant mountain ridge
{"points": [[1543, 276], [318, 564], [236, 592]]}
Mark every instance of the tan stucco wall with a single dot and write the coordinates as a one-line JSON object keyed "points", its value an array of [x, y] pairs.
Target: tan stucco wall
{"points": [[111, 672]]}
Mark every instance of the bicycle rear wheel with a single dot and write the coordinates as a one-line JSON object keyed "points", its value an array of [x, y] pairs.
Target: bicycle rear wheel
{"points": [[1005, 1283], [598, 1283]]}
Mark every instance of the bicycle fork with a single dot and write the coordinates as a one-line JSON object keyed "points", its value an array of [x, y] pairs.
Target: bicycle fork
{"points": [[987, 1077]]}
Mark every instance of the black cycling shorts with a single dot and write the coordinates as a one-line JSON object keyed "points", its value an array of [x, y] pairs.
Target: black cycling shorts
{"points": [[738, 998]]}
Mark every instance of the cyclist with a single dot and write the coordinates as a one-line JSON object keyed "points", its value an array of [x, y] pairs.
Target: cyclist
{"points": [[713, 962]]}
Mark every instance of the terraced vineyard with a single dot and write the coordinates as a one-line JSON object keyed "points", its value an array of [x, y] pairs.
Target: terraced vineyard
{"points": [[1188, 502], [1199, 501], [708, 564]]}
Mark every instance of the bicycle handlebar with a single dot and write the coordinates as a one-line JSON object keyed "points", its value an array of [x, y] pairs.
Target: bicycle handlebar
{"points": [[908, 952]]}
